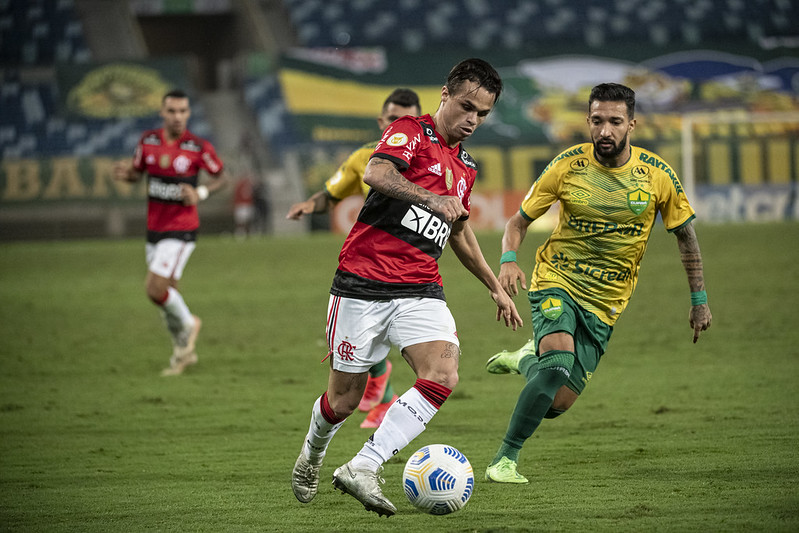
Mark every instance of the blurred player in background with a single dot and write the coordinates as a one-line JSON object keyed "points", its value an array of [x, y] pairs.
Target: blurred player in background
{"points": [[172, 158], [348, 181], [388, 291], [610, 194]]}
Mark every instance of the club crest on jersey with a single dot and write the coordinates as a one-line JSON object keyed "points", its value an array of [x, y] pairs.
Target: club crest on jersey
{"points": [[398, 139], [552, 308], [638, 200], [181, 164], [425, 224], [461, 189]]}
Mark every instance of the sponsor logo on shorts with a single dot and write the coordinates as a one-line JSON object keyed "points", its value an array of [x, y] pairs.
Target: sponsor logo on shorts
{"points": [[552, 308]]}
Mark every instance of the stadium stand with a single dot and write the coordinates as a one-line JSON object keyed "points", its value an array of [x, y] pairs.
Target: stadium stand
{"points": [[37, 36], [514, 24], [41, 33]]}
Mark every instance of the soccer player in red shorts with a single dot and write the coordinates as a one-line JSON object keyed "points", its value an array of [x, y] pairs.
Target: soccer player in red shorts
{"points": [[172, 158], [387, 289]]}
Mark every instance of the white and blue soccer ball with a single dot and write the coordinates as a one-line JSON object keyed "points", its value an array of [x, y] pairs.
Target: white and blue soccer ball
{"points": [[438, 479]]}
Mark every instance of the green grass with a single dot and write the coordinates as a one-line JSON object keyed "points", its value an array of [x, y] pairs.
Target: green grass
{"points": [[669, 436]]}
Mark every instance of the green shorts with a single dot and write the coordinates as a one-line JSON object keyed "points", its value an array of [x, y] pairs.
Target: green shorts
{"points": [[554, 311]]}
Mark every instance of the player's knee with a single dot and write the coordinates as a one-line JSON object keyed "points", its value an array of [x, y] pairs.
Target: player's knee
{"points": [[342, 406], [447, 378], [554, 412], [559, 360], [156, 289], [156, 294]]}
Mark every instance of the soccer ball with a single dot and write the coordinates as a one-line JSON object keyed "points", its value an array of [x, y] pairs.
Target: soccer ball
{"points": [[438, 479]]}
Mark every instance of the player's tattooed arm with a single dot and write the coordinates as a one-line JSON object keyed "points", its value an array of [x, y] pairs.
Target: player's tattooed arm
{"points": [[690, 256], [384, 176], [699, 317]]}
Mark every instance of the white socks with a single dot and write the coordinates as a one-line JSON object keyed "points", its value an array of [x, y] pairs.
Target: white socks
{"points": [[319, 434], [405, 420], [176, 312]]}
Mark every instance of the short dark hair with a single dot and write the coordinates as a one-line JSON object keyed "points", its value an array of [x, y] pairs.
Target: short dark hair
{"points": [[175, 93], [477, 71], [613, 92], [403, 97]]}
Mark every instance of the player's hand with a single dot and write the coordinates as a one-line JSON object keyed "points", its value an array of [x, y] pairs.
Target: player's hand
{"points": [[297, 210], [450, 207], [122, 171], [189, 194], [699, 318], [506, 310], [509, 275]]}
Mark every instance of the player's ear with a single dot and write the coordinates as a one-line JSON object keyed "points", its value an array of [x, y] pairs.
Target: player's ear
{"points": [[444, 94], [631, 127]]}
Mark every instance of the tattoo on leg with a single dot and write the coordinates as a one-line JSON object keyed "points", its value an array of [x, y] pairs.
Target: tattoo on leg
{"points": [[451, 351]]}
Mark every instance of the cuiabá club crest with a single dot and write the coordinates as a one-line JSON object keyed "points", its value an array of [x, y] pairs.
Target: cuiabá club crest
{"points": [[637, 200], [552, 308]]}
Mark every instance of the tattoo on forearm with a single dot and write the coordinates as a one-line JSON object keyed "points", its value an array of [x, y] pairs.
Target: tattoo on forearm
{"points": [[691, 257], [396, 185]]}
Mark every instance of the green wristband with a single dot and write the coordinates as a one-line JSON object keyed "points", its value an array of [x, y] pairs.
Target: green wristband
{"points": [[508, 257], [698, 297]]}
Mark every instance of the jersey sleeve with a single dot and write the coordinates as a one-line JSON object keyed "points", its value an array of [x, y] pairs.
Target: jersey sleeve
{"points": [[400, 142], [544, 192], [673, 204], [348, 179], [210, 161]]}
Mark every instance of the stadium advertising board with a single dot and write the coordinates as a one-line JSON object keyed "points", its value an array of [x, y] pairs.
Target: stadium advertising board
{"points": [[736, 160]]}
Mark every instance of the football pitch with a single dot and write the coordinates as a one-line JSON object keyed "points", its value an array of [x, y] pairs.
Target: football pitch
{"points": [[668, 436]]}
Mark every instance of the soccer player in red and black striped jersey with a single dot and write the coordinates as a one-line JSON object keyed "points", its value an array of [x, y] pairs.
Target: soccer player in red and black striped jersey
{"points": [[387, 289], [172, 158]]}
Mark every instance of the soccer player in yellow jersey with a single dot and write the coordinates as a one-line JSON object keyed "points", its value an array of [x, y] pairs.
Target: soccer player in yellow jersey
{"points": [[610, 194], [348, 181]]}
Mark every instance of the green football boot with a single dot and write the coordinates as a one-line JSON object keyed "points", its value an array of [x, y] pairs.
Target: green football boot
{"points": [[504, 471], [506, 362]]}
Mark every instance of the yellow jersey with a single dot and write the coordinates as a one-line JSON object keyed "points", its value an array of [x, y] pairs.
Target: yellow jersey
{"points": [[348, 179], [606, 217]]}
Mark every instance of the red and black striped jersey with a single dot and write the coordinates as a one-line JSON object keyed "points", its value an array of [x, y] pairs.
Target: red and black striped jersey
{"points": [[392, 250], [168, 164]]}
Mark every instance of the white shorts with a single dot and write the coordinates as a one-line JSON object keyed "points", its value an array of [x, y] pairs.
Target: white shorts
{"points": [[360, 333], [168, 257], [243, 214]]}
